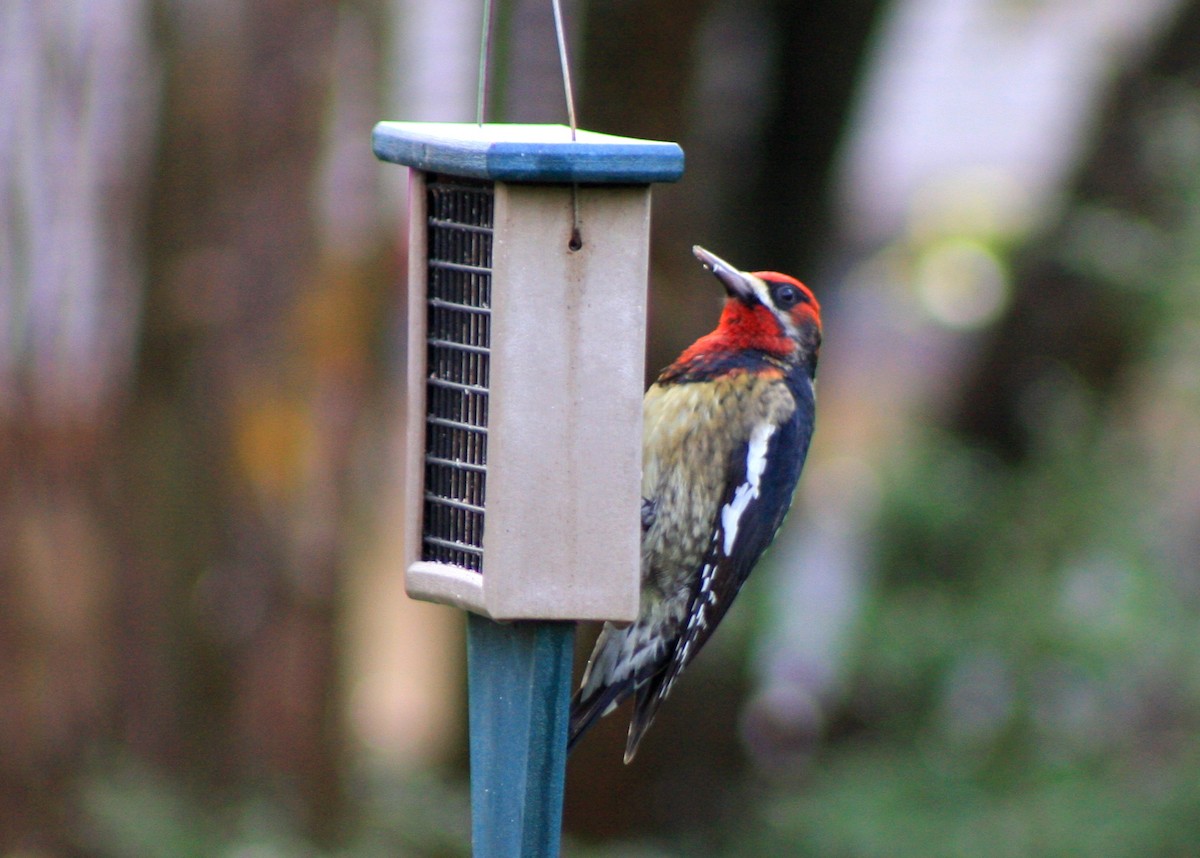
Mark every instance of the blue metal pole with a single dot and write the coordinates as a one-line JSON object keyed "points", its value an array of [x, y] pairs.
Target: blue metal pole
{"points": [[519, 684]]}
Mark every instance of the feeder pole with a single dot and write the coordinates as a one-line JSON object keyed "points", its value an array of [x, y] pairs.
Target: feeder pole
{"points": [[519, 679]]}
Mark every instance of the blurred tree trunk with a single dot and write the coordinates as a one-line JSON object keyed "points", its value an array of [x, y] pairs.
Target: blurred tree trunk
{"points": [[253, 374], [188, 336], [77, 106], [783, 218], [174, 495]]}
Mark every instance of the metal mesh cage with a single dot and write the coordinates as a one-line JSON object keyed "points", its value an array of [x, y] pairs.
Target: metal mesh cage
{"points": [[459, 238]]}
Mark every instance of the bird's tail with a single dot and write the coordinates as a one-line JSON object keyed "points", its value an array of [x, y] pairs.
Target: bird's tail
{"points": [[586, 711], [625, 662], [650, 696], [604, 687]]}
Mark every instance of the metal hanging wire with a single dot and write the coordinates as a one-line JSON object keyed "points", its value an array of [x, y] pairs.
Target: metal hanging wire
{"points": [[485, 50], [566, 66]]}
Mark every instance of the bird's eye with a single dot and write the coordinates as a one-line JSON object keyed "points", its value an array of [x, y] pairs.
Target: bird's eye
{"points": [[786, 296]]}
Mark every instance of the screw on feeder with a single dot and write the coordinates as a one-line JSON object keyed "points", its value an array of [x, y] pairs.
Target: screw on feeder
{"points": [[576, 242]]}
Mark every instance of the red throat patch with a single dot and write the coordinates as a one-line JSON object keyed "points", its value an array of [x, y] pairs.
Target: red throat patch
{"points": [[743, 327]]}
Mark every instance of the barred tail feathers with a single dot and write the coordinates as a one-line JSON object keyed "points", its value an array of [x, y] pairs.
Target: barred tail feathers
{"points": [[601, 691], [625, 661]]}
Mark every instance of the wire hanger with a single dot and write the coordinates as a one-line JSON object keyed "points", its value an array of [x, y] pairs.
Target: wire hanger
{"points": [[485, 51]]}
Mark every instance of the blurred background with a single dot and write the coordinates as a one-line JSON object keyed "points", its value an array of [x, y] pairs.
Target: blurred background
{"points": [[978, 634]]}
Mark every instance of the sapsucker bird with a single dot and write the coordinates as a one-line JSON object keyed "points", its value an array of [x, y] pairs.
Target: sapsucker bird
{"points": [[727, 428]]}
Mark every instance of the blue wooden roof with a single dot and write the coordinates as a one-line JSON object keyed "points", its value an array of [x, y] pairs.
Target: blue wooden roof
{"points": [[527, 153]]}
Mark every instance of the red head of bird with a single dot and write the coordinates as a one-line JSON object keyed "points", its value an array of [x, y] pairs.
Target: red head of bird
{"points": [[765, 311]]}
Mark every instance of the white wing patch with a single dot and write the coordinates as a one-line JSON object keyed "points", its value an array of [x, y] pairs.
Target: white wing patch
{"points": [[731, 515], [756, 463]]}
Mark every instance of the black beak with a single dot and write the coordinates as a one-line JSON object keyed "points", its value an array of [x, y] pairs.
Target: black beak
{"points": [[734, 281]]}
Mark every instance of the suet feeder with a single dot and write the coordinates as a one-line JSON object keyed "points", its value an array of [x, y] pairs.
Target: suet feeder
{"points": [[528, 259]]}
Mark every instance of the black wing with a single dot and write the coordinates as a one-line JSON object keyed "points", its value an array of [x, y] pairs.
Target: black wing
{"points": [[738, 542]]}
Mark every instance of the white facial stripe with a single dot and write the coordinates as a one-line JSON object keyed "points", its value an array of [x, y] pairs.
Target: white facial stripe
{"points": [[763, 291], [756, 463]]}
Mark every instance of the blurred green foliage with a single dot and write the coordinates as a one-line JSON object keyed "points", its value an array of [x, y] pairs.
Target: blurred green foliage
{"points": [[135, 812], [1028, 678]]}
